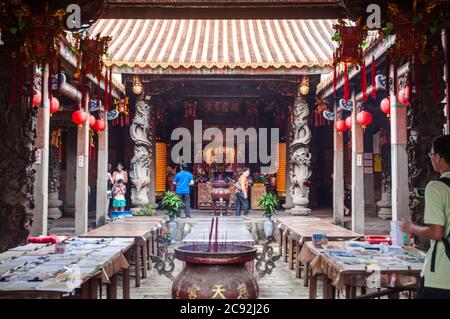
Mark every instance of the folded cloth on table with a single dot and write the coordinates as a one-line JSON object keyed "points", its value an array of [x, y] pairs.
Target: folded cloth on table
{"points": [[52, 239]]}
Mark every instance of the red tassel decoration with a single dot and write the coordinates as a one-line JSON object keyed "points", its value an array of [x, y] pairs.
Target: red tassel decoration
{"points": [[346, 84], [105, 92], [110, 87], [395, 80], [334, 74], [42, 85], [374, 83], [59, 71], [83, 90], [364, 83], [50, 78]]}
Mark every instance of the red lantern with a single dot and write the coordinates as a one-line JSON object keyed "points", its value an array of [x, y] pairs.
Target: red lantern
{"points": [[37, 98], [54, 105], [99, 125], [348, 122], [364, 118], [79, 117], [385, 106], [340, 126], [92, 120], [403, 96]]}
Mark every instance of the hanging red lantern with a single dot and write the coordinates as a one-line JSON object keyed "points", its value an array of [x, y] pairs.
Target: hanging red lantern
{"points": [[364, 119], [79, 117], [92, 120], [99, 125], [340, 126], [385, 106], [403, 96], [348, 122], [54, 105], [37, 98]]}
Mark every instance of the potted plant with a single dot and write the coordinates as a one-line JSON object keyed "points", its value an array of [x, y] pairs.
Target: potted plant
{"points": [[172, 203], [270, 203]]}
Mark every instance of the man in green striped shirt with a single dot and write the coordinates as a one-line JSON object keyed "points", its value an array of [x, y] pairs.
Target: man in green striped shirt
{"points": [[435, 277]]}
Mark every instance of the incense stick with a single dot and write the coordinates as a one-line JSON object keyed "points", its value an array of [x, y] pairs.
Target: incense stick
{"points": [[210, 234], [216, 244]]}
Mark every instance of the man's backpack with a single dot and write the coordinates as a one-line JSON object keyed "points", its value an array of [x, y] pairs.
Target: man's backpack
{"points": [[446, 240]]}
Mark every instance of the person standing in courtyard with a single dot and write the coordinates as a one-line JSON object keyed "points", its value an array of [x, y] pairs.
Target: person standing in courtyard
{"points": [[434, 282], [119, 190], [242, 193], [182, 180], [120, 173]]}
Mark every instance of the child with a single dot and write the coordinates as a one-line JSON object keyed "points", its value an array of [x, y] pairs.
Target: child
{"points": [[119, 190]]}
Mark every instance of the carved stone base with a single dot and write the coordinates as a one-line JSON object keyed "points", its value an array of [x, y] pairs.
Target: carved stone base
{"points": [[300, 211], [287, 206], [53, 206], [385, 211]]}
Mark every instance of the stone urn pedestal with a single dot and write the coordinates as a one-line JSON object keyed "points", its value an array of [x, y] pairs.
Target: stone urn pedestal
{"points": [[385, 207], [300, 208], [54, 203], [215, 275]]}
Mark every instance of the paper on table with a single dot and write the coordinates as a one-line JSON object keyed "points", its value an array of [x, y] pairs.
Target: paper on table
{"points": [[19, 285], [57, 285]]}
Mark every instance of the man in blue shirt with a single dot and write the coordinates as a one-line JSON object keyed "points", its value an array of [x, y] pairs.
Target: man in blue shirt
{"points": [[182, 181]]}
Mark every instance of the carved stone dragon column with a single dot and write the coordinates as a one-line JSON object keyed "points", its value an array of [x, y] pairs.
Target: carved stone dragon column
{"points": [[53, 185], [384, 205], [17, 153], [425, 122], [300, 164], [140, 163]]}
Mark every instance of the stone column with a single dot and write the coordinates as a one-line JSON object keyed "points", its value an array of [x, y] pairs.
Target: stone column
{"points": [[358, 213], [288, 204], [152, 154], [40, 211], [300, 161], [54, 183], [399, 158], [384, 205], [71, 172], [140, 163], [102, 177], [82, 185], [370, 206], [338, 174]]}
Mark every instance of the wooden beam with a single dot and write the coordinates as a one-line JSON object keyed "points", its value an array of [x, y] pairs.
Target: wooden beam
{"points": [[221, 10]]}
